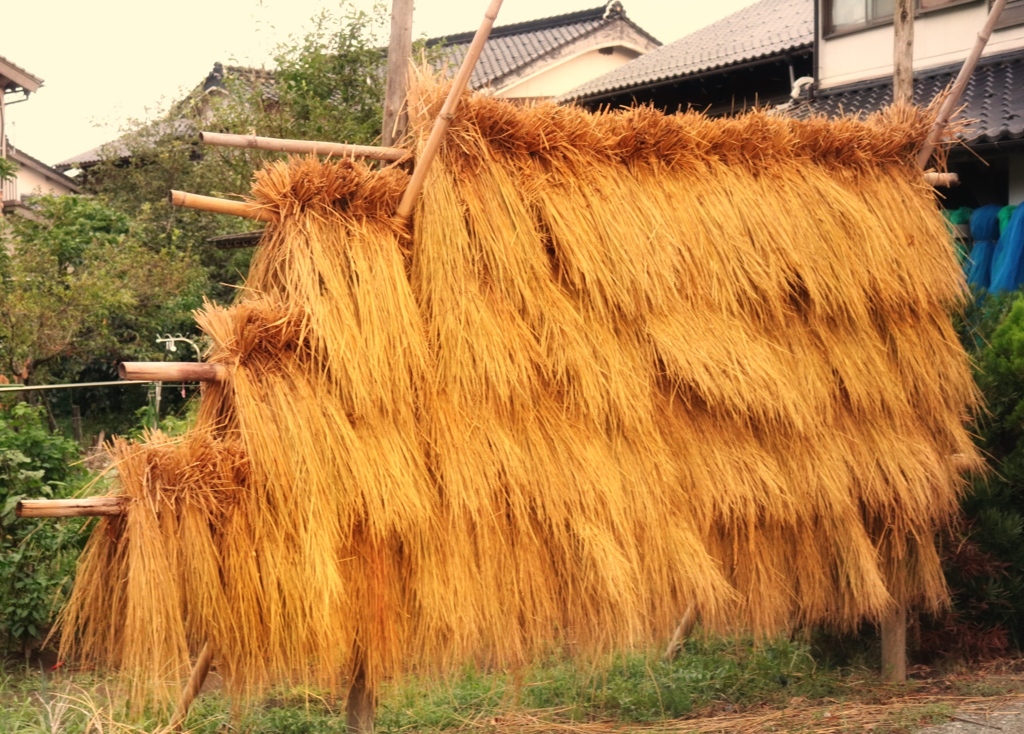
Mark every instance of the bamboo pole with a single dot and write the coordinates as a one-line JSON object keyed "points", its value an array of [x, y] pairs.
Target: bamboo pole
{"points": [[419, 174], [173, 371], [221, 206], [283, 145], [683, 630], [933, 178], [903, 53], [192, 688], [957, 91], [87, 507], [396, 118]]}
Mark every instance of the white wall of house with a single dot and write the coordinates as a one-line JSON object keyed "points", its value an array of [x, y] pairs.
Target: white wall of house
{"points": [[567, 74], [33, 178], [1017, 178], [940, 38], [31, 182]]}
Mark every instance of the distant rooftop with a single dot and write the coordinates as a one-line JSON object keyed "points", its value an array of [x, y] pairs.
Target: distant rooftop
{"points": [[766, 28], [993, 100], [14, 78], [511, 48]]}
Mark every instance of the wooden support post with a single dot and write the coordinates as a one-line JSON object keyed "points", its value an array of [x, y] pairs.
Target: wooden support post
{"points": [[361, 708], [903, 53], [86, 507], [894, 645], [396, 119], [192, 688], [683, 630], [444, 118], [953, 98], [173, 371], [311, 147]]}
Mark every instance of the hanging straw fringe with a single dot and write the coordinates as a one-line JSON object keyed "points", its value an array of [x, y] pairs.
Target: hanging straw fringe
{"points": [[627, 364]]}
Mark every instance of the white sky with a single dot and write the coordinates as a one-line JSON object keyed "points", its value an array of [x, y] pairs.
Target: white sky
{"points": [[105, 62]]}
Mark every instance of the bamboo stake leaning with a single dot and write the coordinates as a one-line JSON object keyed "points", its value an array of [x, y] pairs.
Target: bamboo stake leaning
{"points": [[313, 147], [220, 206], [192, 688], [444, 118], [957, 91]]}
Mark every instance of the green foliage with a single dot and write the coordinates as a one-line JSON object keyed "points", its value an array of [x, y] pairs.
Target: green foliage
{"points": [[8, 169], [81, 286], [985, 561], [629, 688], [36, 557], [327, 86]]}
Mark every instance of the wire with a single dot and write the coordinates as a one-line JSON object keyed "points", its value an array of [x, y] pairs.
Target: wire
{"points": [[68, 386]]}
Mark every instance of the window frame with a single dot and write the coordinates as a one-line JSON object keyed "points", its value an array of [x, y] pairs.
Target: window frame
{"points": [[1013, 14], [831, 32]]}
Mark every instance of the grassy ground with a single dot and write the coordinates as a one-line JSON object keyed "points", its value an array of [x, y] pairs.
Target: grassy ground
{"points": [[715, 686]]}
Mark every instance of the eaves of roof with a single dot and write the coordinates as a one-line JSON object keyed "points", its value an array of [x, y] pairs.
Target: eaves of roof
{"points": [[765, 29], [514, 47], [17, 77], [993, 101], [24, 159]]}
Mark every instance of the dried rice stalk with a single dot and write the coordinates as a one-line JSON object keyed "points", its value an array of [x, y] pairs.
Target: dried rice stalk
{"points": [[624, 363]]}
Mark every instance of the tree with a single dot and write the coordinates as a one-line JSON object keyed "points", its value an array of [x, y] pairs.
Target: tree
{"points": [[327, 86], [77, 285], [37, 557]]}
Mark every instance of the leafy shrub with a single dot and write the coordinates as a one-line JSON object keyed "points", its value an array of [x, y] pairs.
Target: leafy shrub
{"points": [[36, 556], [984, 558]]}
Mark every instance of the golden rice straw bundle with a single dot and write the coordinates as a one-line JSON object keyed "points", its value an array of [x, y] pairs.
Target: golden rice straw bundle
{"points": [[621, 364]]}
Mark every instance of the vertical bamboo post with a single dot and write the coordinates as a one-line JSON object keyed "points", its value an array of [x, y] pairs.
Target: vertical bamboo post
{"points": [[903, 52], [419, 174], [953, 99], [192, 688], [361, 707], [894, 645], [396, 118]]}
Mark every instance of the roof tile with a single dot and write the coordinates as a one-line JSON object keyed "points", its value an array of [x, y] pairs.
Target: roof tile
{"points": [[993, 100], [764, 28]]}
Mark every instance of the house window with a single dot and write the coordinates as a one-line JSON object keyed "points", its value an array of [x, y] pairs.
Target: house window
{"points": [[1013, 14], [843, 16]]}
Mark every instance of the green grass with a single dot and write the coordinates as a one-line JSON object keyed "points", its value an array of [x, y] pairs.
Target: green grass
{"points": [[711, 676]]}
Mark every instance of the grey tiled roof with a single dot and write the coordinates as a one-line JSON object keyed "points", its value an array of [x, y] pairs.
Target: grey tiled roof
{"points": [[122, 147], [512, 47], [763, 29], [993, 99]]}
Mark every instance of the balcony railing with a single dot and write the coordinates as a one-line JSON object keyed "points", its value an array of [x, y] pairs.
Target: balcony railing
{"points": [[9, 190]]}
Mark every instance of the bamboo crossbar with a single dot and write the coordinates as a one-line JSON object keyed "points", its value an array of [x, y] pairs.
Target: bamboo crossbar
{"points": [[221, 206], [941, 179], [87, 507], [173, 371], [444, 118], [282, 145]]}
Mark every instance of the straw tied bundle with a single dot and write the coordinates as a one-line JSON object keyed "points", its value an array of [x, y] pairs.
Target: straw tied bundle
{"points": [[623, 363]]}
